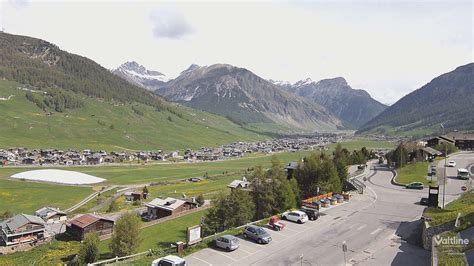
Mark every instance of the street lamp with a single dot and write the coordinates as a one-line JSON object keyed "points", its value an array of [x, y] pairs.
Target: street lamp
{"points": [[445, 162]]}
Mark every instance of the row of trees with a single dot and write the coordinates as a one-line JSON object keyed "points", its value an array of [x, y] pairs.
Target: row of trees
{"points": [[272, 192]]}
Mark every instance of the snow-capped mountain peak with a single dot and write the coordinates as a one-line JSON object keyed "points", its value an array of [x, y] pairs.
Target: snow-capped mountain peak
{"points": [[138, 75], [304, 82]]}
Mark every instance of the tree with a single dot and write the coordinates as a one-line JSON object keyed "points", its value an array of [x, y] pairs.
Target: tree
{"points": [[200, 199], [443, 147], [262, 194], [229, 211], [89, 250], [126, 235], [113, 207], [283, 193]]}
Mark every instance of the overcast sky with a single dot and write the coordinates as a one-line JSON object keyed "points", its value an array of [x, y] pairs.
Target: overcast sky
{"points": [[388, 48]]}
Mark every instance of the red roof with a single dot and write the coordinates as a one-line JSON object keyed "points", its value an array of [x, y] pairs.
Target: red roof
{"points": [[86, 220]]}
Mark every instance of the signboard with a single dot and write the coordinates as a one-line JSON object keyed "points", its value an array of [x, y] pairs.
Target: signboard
{"points": [[194, 235], [463, 188]]}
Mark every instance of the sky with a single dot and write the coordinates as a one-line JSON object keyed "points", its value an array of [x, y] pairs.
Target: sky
{"points": [[388, 48]]}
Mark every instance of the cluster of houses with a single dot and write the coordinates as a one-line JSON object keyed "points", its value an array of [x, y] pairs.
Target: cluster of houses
{"points": [[37, 228], [24, 156]]}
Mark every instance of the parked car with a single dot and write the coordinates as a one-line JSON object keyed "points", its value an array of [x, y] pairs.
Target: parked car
{"points": [[228, 242], [170, 260], [451, 164], [295, 216], [276, 224], [415, 185], [257, 234], [313, 214]]}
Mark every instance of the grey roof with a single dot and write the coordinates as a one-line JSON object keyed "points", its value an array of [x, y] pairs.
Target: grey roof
{"points": [[432, 151], [48, 211], [19, 220]]}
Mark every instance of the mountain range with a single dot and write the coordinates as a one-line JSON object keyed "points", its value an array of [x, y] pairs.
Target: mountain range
{"points": [[353, 107], [245, 98], [231, 91], [447, 99]]}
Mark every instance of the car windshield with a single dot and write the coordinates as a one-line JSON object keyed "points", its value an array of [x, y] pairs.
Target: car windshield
{"points": [[260, 231]]}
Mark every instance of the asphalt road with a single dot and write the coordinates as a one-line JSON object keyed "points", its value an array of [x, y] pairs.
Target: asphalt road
{"points": [[380, 227], [453, 185]]}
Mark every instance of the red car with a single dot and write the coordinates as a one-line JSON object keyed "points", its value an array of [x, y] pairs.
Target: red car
{"points": [[276, 224]]}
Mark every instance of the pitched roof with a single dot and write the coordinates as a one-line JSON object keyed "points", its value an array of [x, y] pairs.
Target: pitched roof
{"points": [[167, 204], [236, 183], [87, 219], [432, 151], [20, 220], [48, 212]]}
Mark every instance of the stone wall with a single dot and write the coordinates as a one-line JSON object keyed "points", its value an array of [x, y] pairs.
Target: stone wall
{"points": [[430, 231]]}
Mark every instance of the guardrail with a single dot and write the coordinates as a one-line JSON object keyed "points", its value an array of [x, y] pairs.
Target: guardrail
{"points": [[117, 259], [355, 181]]}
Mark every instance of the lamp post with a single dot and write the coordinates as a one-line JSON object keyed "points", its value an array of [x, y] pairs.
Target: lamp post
{"points": [[445, 162]]}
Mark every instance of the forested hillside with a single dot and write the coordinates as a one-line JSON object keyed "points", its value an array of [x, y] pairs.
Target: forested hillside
{"points": [[41, 64]]}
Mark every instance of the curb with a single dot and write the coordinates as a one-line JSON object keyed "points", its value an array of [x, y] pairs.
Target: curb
{"points": [[393, 182]]}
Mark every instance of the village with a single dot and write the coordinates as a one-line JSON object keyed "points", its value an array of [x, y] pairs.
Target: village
{"points": [[58, 157]]}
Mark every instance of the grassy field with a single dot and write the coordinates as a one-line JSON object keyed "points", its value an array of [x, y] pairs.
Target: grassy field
{"points": [[161, 235], [27, 197], [415, 172], [369, 144], [21, 196], [101, 125], [48, 254]]}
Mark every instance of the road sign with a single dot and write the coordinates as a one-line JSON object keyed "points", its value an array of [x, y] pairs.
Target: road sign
{"points": [[463, 188]]}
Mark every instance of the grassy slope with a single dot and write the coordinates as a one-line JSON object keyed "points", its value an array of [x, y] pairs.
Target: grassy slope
{"points": [[29, 126], [464, 205], [415, 172]]}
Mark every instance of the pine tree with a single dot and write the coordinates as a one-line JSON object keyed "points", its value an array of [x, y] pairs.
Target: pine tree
{"points": [[89, 250], [126, 235]]}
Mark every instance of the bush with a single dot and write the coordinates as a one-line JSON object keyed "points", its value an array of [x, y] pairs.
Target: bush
{"points": [[89, 250], [126, 236]]}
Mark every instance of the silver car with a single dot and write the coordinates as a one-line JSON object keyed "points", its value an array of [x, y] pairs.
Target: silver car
{"points": [[228, 242]]}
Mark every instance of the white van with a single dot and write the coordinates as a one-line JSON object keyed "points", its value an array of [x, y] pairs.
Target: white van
{"points": [[463, 173]]}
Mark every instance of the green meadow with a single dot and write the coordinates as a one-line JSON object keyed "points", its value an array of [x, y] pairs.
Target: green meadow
{"points": [[22, 196]]}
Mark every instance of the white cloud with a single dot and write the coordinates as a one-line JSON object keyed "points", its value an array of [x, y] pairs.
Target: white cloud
{"points": [[170, 23], [387, 48]]}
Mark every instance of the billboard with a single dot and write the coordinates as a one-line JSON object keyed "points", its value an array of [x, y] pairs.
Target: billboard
{"points": [[194, 235]]}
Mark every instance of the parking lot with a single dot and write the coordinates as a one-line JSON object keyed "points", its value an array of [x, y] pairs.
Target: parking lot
{"points": [[249, 248]]}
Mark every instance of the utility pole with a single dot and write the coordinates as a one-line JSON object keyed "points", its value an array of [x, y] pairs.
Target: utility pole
{"points": [[344, 250], [401, 158], [445, 162]]}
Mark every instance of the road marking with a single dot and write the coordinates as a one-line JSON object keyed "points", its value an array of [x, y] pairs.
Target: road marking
{"points": [[201, 260], [248, 252], [219, 253], [361, 227], [376, 231], [292, 230]]}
